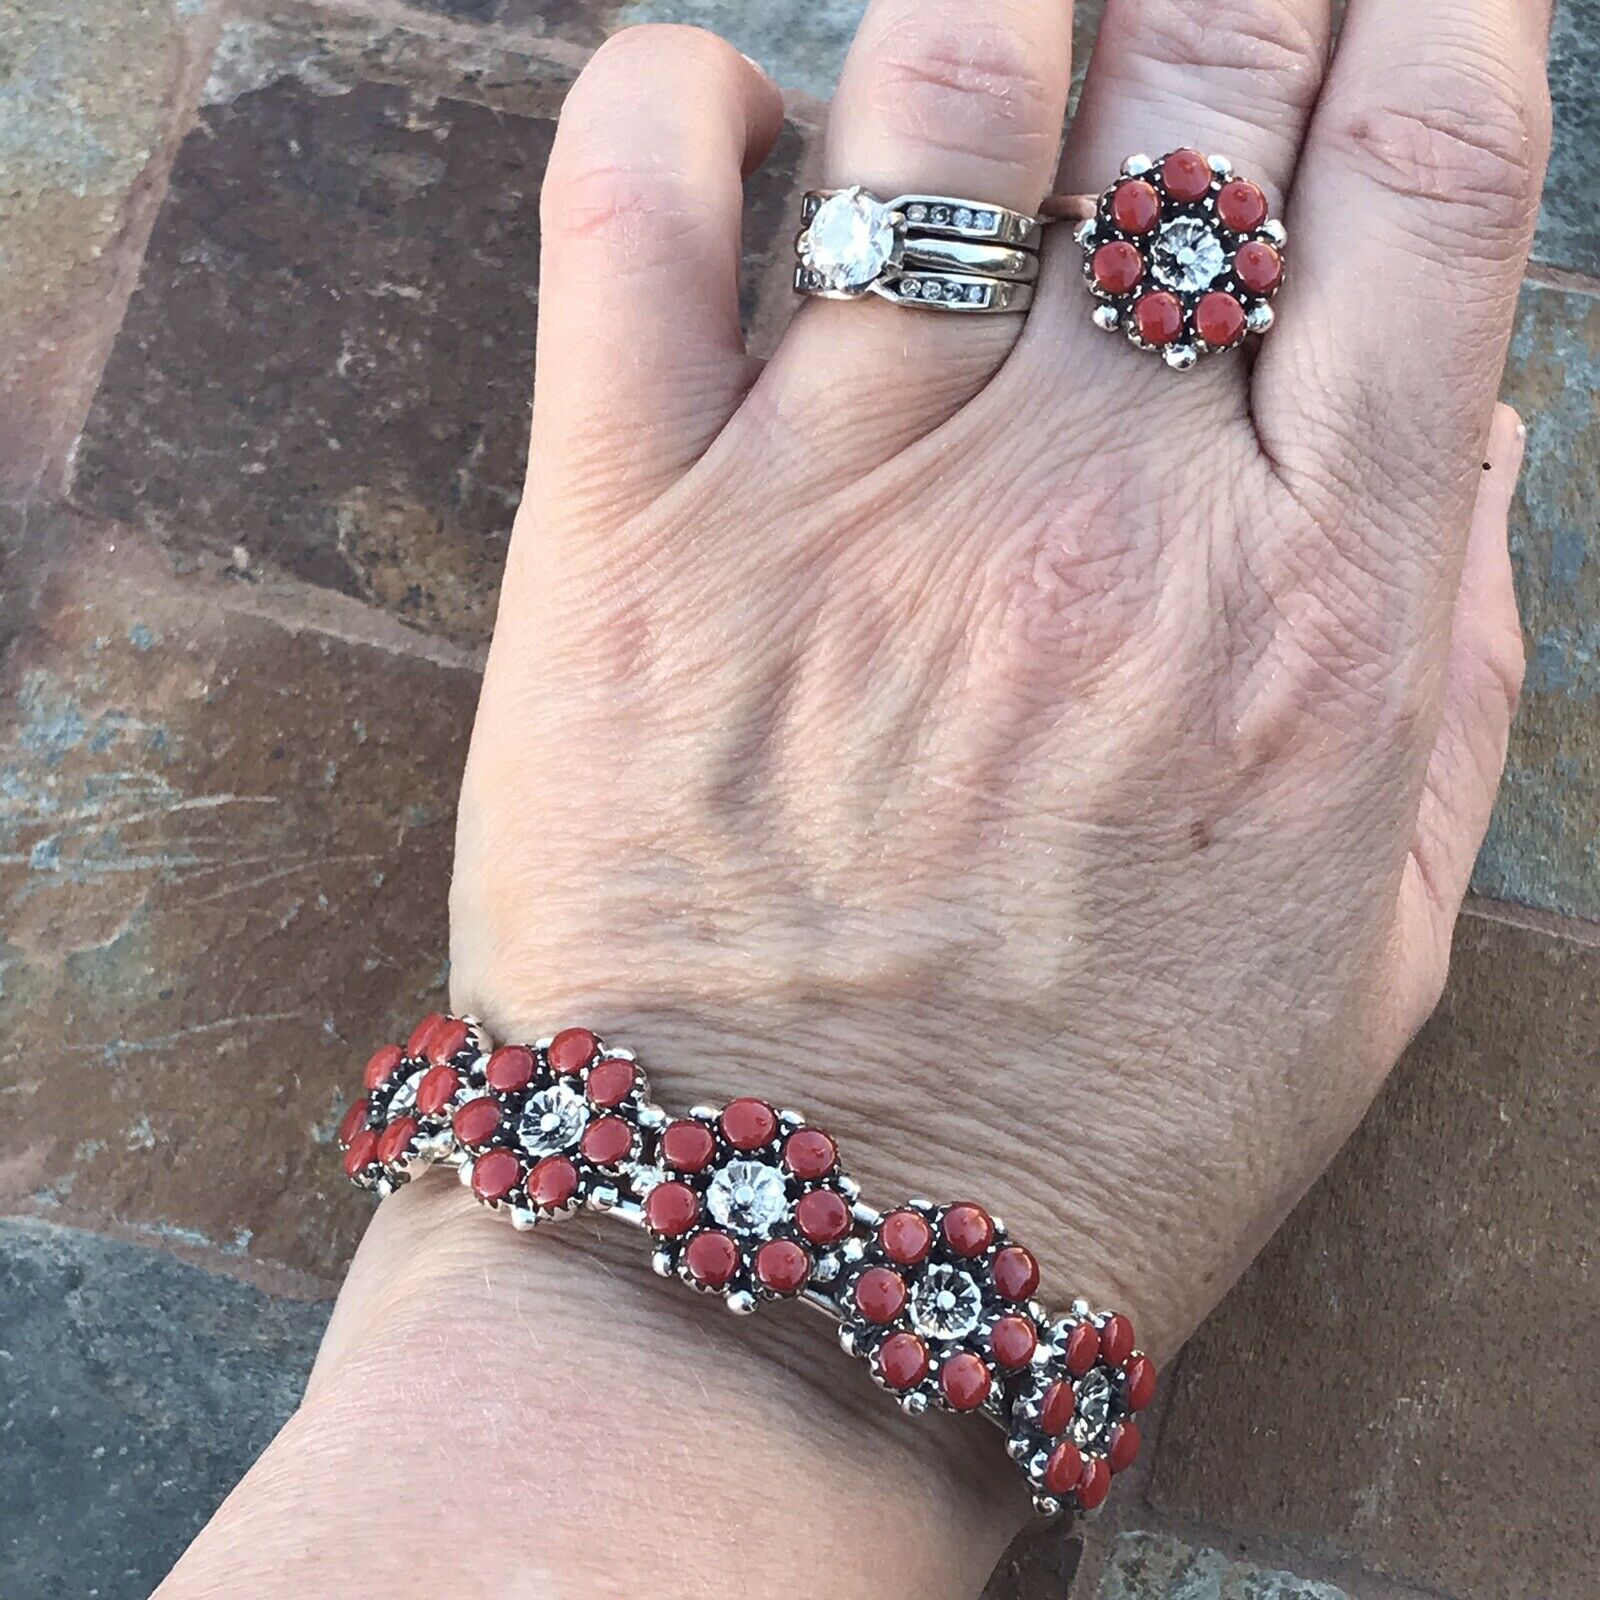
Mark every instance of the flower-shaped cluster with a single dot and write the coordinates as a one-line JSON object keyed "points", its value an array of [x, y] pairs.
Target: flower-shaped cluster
{"points": [[940, 1305], [1073, 1421], [552, 1127], [388, 1134], [1183, 256], [747, 1202]]}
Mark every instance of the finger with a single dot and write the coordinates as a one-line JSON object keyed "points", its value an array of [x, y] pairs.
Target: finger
{"points": [[1482, 680], [640, 353], [943, 97], [1413, 210], [1228, 77]]}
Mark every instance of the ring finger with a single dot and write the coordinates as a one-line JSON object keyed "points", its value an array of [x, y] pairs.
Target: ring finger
{"points": [[946, 97]]}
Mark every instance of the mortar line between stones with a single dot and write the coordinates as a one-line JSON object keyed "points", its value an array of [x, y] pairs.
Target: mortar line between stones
{"points": [[1554, 924]]}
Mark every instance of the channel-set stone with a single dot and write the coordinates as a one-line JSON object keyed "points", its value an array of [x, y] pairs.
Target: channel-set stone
{"points": [[849, 241], [1187, 256]]}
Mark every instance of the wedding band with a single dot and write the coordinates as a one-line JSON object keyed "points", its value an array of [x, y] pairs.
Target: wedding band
{"points": [[936, 251]]}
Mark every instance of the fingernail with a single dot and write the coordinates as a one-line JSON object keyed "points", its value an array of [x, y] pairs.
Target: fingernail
{"points": [[757, 65]]}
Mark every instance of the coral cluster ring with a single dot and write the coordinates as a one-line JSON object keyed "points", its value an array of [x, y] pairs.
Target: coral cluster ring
{"points": [[750, 1203], [1182, 255]]}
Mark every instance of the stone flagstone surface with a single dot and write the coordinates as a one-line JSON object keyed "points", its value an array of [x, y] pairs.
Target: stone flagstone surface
{"points": [[266, 327]]}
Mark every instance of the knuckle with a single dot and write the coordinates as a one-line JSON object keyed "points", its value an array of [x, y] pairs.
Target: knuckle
{"points": [[1465, 140], [964, 85], [1495, 676], [1273, 46], [636, 217]]}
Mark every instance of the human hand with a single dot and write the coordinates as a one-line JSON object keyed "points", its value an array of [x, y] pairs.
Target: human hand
{"points": [[1057, 777]]}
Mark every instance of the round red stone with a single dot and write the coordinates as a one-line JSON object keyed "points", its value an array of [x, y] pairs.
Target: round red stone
{"points": [[607, 1141], [1159, 317], [1186, 174], [1141, 1382], [437, 1089], [553, 1182], [688, 1146], [1116, 1339], [822, 1216], [1258, 267], [1117, 266], [446, 1040], [396, 1140], [1060, 1405], [902, 1361], [417, 1044], [1063, 1469], [1094, 1484], [380, 1064], [1135, 206], [711, 1259], [1241, 205], [906, 1237], [968, 1229], [572, 1050], [748, 1124], [611, 1082], [880, 1294], [1013, 1342], [353, 1121], [965, 1380], [783, 1266], [1016, 1273], [362, 1153], [1083, 1348], [1124, 1449], [1219, 319], [476, 1121], [510, 1068], [810, 1153], [495, 1175], [671, 1209]]}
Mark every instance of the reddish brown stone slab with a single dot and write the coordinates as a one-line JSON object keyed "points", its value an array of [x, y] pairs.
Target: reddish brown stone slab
{"points": [[1405, 1378], [327, 366], [94, 95], [224, 853]]}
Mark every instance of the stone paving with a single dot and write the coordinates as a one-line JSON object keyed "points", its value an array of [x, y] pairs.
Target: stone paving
{"points": [[265, 350]]}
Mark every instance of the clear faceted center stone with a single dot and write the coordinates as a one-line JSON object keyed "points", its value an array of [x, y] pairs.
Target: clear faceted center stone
{"points": [[946, 1304], [748, 1197], [1093, 1417], [404, 1098], [1187, 255], [850, 240], [552, 1121]]}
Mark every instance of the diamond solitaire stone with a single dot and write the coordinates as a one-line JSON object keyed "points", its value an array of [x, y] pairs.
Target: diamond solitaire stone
{"points": [[850, 240], [1187, 256], [1093, 1416], [553, 1121], [748, 1196], [946, 1304]]}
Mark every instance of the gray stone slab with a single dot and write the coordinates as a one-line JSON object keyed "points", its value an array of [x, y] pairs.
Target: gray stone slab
{"points": [[1569, 223], [1154, 1566], [1543, 847], [136, 1390]]}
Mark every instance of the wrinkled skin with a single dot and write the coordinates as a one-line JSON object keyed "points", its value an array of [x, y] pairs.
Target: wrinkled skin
{"points": [[1056, 776]]}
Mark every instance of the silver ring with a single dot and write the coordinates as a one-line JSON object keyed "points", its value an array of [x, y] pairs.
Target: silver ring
{"points": [[924, 250]]}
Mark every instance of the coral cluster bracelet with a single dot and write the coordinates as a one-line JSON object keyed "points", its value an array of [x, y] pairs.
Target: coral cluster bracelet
{"points": [[752, 1204]]}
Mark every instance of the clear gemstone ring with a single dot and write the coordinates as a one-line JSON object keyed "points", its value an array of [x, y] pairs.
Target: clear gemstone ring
{"points": [[920, 250]]}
